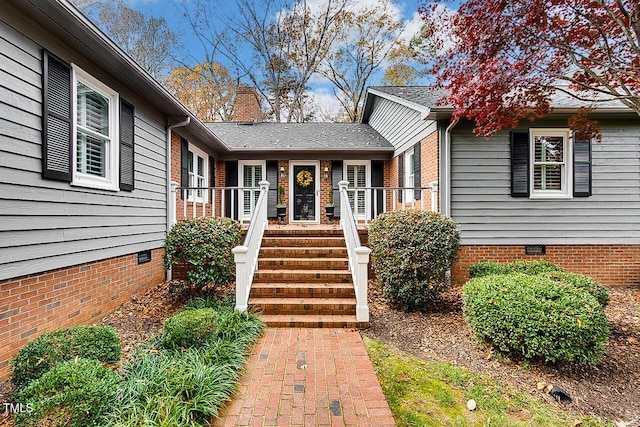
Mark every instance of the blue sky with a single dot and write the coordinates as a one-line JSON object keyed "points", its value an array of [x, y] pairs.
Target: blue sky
{"points": [[193, 51]]}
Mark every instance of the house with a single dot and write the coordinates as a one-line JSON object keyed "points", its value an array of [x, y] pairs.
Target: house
{"points": [[84, 153], [98, 160]]}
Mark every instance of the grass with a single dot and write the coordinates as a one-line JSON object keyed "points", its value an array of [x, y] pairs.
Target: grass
{"points": [[428, 393]]}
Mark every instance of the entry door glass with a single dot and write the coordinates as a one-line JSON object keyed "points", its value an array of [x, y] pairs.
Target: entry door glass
{"points": [[304, 199], [357, 177], [251, 176]]}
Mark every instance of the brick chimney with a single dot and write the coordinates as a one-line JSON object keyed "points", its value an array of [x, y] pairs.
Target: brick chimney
{"points": [[247, 105]]}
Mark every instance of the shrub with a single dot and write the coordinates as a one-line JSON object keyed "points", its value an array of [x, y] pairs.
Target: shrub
{"points": [[189, 328], [597, 290], [536, 317], [411, 252], [71, 394], [487, 268], [45, 352], [205, 245]]}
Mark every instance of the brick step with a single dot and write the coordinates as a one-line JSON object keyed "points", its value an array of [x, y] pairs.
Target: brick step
{"points": [[312, 321], [295, 306], [303, 264], [304, 232], [302, 290], [302, 276], [298, 252], [302, 241]]}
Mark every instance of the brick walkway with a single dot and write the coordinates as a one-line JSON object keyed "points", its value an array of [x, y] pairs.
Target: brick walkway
{"points": [[309, 377]]}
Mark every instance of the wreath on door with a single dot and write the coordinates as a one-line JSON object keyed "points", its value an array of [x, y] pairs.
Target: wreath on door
{"points": [[304, 178]]}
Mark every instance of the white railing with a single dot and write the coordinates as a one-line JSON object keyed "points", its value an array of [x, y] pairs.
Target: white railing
{"points": [[214, 201], [246, 255], [358, 255], [365, 201]]}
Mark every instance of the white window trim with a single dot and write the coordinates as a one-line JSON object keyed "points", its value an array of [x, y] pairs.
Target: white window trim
{"points": [[567, 175], [409, 195], [112, 162], [241, 165], [367, 200], [205, 158]]}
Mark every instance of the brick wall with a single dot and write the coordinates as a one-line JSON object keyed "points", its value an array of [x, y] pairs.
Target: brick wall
{"points": [[82, 294], [608, 264], [247, 105]]}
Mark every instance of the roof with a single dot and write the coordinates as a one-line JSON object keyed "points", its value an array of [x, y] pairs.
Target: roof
{"points": [[61, 18], [301, 137], [428, 100]]}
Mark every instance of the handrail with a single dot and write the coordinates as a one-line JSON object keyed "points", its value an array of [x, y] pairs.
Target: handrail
{"points": [[358, 255], [213, 201], [246, 255]]}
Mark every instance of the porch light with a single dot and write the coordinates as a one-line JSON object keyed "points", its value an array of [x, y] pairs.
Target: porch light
{"points": [[282, 172], [325, 172]]}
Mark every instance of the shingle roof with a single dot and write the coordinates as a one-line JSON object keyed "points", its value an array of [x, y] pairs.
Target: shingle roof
{"points": [[300, 136], [426, 96]]}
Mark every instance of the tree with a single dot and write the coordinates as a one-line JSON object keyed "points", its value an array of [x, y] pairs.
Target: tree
{"points": [[207, 89], [148, 40], [366, 39], [508, 59]]}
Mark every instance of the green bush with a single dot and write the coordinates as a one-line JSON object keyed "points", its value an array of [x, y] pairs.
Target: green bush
{"points": [[597, 290], [411, 252], [189, 328], [38, 356], [487, 268], [74, 393], [205, 245], [536, 317]]}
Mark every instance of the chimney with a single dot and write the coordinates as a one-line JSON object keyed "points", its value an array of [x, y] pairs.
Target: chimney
{"points": [[247, 105]]}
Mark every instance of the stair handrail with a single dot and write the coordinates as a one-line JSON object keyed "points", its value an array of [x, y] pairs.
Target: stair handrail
{"points": [[246, 255], [358, 254]]}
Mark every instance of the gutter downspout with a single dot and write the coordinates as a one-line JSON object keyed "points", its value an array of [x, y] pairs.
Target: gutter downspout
{"points": [[183, 123], [446, 208]]}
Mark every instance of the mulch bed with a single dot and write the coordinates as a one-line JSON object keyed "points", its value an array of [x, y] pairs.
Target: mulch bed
{"points": [[609, 389]]}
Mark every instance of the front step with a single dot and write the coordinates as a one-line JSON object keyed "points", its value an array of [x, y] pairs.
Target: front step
{"points": [[303, 280]]}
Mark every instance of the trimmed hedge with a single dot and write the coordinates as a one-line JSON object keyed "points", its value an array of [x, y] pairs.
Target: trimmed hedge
{"points": [[536, 317], [487, 268], [74, 393], [205, 245], [587, 284], [189, 328], [411, 252], [40, 355]]}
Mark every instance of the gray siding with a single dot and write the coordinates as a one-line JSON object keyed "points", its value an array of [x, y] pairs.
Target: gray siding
{"points": [[47, 224], [398, 124], [487, 214]]}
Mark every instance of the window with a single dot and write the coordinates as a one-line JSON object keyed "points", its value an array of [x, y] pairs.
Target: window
{"points": [[88, 130], [410, 180], [96, 133], [357, 176], [550, 163], [251, 175], [197, 169]]}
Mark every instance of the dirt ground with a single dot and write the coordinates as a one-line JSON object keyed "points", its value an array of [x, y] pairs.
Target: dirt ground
{"points": [[609, 389]]}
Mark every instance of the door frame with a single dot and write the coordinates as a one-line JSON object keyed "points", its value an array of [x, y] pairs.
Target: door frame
{"points": [[316, 192], [367, 197]]}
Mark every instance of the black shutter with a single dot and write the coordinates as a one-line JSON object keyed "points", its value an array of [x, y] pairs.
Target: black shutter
{"points": [[519, 164], [400, 176], [272, 196], [336, 177], [184, 165], [212, 172], [377, 180], [581, 167], [57, 118], [231, 180], [127, 151], [417, 181]]}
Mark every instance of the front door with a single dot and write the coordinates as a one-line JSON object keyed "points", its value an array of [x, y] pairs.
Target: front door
{"points": [[305, 189]]}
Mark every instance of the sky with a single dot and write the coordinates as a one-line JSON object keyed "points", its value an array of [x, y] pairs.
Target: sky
{"points": [[193, 50]]}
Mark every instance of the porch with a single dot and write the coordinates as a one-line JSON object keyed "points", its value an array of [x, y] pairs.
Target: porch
{"points": [[303, 273]]}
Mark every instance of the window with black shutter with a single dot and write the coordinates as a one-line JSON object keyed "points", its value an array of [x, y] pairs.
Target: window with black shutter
{"points": [[581, 167]]}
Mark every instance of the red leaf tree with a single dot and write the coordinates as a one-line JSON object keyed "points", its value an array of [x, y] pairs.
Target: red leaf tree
{"points": [[505, 60]]}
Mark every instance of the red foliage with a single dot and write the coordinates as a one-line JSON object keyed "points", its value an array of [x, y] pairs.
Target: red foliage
{"points": [[506, 59]]}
